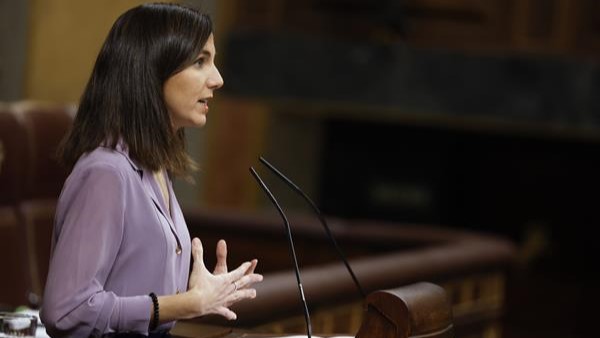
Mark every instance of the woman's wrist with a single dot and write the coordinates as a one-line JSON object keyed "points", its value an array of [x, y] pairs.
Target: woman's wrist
{"points": [[192, 303], [180, 306]]}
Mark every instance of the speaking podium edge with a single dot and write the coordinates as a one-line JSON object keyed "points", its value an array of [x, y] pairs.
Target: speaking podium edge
{"points": [[416, 310]]}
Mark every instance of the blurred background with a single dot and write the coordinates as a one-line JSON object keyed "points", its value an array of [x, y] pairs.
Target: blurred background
{"points": [[470, 114]]}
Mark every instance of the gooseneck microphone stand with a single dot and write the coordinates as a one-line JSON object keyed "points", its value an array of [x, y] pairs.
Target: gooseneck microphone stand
{"points": [[299, 191], [291, 245]]}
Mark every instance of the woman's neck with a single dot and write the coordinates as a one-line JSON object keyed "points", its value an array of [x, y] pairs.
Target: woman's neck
{"points": [[161, 179]]}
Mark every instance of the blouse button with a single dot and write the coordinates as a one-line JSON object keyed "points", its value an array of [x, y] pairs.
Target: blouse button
{"points": [[178, 250]]}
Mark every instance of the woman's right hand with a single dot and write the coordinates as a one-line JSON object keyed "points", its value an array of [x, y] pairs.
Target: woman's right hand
{"points": [[215, 293]]}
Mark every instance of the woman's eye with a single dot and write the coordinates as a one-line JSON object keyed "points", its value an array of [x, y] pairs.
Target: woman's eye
{"points": [[200, 61]]}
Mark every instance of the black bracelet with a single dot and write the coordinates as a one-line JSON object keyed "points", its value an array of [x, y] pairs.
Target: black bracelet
{"points": [[154, 323]]}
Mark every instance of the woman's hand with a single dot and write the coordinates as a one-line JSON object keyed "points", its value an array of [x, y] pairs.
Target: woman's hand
{"points": [[213, 293]]}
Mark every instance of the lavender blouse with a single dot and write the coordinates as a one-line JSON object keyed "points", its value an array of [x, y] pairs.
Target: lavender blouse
{"points": [[114, 242]]}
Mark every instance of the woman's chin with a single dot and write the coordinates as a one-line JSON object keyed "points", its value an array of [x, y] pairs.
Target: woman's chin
{"points": [[198, 122]]}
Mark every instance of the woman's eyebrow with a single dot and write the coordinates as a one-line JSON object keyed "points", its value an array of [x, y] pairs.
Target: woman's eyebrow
{"points": [[205, 52]]}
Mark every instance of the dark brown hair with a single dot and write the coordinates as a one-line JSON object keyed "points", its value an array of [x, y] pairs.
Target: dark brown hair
{"points": [[123, 99]]}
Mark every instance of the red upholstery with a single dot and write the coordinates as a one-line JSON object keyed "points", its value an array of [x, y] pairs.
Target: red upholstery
{"points": [[45, 125], [30, 183], [15, 281], [16, 160]]}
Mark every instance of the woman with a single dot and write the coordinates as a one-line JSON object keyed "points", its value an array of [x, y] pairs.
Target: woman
{"points": [[121, 249]]}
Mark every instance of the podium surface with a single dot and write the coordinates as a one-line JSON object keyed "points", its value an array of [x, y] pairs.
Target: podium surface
{"points": [[416, 310]]}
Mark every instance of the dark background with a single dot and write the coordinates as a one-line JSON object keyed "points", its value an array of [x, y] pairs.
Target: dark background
{"points": [[475, 115]]}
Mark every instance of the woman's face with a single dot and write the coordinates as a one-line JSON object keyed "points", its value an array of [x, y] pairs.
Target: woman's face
{"points": [[187, 92]]}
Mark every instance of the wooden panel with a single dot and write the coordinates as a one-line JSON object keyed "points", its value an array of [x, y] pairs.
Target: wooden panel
{"points": [[449, 23], [482, 302], [567, 27], [64, 39], [543, 26], [235, 140], [336, 319], [587, 26], [259, 14]]}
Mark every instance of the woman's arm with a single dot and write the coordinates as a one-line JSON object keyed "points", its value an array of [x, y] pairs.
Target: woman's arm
{"points": [[88, 233]]}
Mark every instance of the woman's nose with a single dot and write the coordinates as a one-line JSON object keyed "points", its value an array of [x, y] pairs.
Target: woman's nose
{"points": [[215, 80]]}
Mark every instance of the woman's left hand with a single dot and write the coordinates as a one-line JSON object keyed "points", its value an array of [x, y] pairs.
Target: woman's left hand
{"points": [[213, 293]]}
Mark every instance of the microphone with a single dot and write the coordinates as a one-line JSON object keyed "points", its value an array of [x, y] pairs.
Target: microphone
{"points": [[288, 232], [321, 218]]}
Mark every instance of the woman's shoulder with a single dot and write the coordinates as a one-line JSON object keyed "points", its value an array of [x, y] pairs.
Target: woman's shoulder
{"points": [[105, 158]]}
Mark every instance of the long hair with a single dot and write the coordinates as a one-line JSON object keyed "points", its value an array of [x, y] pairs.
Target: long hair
{"points": [[123, 99]]}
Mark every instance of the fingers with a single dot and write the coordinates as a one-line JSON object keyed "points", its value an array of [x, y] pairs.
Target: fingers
{"points": [[198, 252], [226, 312], [248, 280], [246, 294], [239, 272], [240, 295], [221, 266], [197, 249], [253, 264]]}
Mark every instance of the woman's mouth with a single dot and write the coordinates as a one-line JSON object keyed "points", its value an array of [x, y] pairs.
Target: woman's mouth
{"points": [[205, 103]]}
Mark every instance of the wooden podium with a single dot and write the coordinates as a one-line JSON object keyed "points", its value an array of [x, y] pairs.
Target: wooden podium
{"points": [[417, 310]]}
